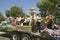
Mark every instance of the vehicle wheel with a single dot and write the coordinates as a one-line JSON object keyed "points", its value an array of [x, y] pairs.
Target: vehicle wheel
{"points": [[25, 37], [15, 37]]}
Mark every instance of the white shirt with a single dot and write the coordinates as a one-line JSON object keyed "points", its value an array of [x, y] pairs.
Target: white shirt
{"points": [[39, 19], [28, 19], [25, 21], [18, 19]]}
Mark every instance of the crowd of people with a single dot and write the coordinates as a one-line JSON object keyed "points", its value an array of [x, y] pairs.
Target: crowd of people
{"points": [[37, 22], [43, 23]]}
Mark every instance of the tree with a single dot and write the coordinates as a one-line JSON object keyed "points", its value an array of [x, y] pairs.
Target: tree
{"points": [[48, 6], [15, 11], [1, 17], [8, 13]]}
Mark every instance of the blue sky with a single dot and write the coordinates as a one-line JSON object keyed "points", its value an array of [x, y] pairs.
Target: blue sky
{"points": [[25, 4]]}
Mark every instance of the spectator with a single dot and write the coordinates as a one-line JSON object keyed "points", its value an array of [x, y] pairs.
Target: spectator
{"points": [[18, 20], [14, 23], [49, 21], [25, 20], [8, 22], [3, 25], [33, 23], [39, 19], [28, 20]]}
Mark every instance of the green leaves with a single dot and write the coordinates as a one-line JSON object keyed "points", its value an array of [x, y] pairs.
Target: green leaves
{"points": [[1, 17], [48, 5], [15, 11], [52, 6]]}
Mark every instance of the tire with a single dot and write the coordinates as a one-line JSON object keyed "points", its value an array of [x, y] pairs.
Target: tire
{"points": [[15, 37], [25, 37]]}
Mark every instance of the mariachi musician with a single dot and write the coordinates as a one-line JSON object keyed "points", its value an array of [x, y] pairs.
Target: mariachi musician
{"points": [[38, 23], [33, 23], [49, 21]]}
